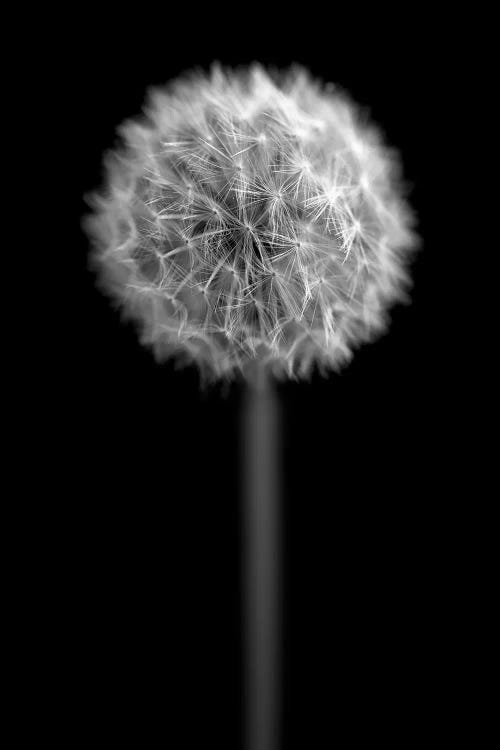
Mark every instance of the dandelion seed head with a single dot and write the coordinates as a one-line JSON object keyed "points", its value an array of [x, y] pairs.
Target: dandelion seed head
{"points": [[249, 216]]}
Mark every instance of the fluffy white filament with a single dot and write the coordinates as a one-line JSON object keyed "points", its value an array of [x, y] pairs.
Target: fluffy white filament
{"points": [[249, 217]]}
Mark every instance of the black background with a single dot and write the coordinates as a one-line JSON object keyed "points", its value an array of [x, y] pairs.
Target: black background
{"points": [[146, 563]]}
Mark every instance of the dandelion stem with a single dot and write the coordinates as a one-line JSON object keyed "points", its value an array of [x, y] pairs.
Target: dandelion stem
{"points": [[261, 565]]}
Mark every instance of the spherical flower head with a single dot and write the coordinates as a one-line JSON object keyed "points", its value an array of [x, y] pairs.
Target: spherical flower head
{"points": [[251, 218]]}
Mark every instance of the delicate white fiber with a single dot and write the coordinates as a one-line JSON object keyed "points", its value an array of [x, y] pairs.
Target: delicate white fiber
{"points": [[251, 216]]}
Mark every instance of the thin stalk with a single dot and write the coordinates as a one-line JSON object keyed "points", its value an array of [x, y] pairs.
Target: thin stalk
{"points": [[261, 565]]}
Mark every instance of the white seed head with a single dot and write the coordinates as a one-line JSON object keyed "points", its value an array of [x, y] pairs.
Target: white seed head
{"points": [[252, 217]]}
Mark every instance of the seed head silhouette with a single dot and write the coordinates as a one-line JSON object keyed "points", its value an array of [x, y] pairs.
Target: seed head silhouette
{"points": [[252, 217]]}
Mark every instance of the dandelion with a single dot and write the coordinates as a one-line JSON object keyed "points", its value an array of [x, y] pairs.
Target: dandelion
{"points": [[252, 224], [252, 217]]}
